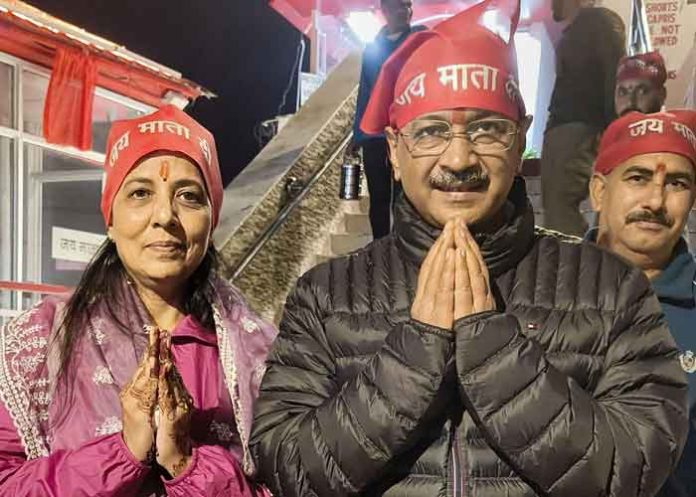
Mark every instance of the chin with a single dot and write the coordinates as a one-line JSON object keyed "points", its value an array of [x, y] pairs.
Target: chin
{"points": [[166, 272], [647, 243]]}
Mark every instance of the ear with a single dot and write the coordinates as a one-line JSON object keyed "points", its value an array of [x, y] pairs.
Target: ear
{"points": [[392, 142], [524, 126], [598, 187], [526, 123]]}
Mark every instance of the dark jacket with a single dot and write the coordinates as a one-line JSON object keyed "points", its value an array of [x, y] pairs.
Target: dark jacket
{"points": [[586, 59], [571, 388], [675, 287], [375, 54], [676, 290]]}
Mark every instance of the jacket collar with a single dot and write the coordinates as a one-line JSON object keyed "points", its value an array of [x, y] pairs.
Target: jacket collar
{"points": [[677, 283], [591, 235], [501, 249]]}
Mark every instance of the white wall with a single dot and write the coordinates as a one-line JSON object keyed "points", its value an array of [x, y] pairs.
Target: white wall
{"points": [[536, 60]]}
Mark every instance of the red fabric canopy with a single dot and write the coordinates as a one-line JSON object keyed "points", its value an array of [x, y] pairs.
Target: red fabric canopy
{"points": [[299, 12], [67, 116], [38, 45]]}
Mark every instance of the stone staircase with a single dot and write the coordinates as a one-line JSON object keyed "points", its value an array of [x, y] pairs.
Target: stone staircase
{"points": [[351, 232]]}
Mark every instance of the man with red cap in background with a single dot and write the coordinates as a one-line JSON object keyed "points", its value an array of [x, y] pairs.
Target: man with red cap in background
{"points": [[643, 188], [640, 84], [467, 353]]}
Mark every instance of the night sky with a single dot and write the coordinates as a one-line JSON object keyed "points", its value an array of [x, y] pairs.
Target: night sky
{"points": [[242, 50]]}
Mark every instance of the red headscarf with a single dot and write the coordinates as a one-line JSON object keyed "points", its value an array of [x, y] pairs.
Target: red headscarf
{"points": [[170, 130], [638, 134], [650, 66], [467, 61]]}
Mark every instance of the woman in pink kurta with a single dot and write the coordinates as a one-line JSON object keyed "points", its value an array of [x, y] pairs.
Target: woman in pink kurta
{"points": [[141, 383]]}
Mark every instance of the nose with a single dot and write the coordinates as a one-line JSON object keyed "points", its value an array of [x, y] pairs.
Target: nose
{"points": [[633, 96], [164, 214], [655, 196], [459, 154]]}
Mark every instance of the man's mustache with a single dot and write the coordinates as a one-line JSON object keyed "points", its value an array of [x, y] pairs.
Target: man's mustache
{"points": [[450, 180], [658, 217], [630, 108]]}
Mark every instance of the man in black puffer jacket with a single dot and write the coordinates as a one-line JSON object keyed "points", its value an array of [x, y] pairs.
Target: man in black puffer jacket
{"points": [[466, 354]]}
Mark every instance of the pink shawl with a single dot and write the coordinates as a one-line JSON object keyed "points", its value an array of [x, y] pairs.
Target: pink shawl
{"points": [[29, 363]]}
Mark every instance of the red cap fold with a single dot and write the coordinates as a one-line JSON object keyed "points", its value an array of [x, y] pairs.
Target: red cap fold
{"points": [[170, 130]]}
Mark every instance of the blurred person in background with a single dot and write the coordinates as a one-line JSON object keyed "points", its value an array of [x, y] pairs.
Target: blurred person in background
{"points": [[380, 184], [582, 106], [640, 84]]}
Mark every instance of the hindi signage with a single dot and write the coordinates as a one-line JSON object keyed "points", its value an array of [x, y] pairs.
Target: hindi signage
{"points": [[74, 245]]}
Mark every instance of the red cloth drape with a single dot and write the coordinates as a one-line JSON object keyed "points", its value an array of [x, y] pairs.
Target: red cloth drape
{"points": [[68, 108]]}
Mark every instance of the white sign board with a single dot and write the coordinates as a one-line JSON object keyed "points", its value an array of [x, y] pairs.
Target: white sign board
{"points": [[74, 245], [672, 29], [672, 25]]}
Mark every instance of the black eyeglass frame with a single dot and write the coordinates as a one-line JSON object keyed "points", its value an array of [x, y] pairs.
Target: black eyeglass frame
{"points": [[464, 134]]}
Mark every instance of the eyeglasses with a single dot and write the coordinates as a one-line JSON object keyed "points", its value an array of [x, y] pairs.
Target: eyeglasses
{"points": [[428, 137]]}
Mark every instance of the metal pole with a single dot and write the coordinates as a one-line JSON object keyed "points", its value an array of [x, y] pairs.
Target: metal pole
{"points": [[298, 104]]}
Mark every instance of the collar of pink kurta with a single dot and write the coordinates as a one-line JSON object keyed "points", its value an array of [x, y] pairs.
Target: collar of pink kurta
{"points": [[29, 362], [190, 328]]}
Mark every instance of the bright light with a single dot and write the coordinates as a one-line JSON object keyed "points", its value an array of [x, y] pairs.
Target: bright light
{"points": [[497, 23], [528, 63], [364, 24]]}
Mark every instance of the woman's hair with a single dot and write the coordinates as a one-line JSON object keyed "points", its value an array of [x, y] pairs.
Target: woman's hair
{"points": [[102, 282]]}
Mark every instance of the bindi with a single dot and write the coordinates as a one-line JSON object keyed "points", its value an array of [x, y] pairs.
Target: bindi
{"points": [[164, 170]]}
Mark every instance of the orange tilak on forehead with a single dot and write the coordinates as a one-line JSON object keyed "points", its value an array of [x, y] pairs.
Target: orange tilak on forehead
{"points": [[660, 171], [660, 176], [164, 170]]}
